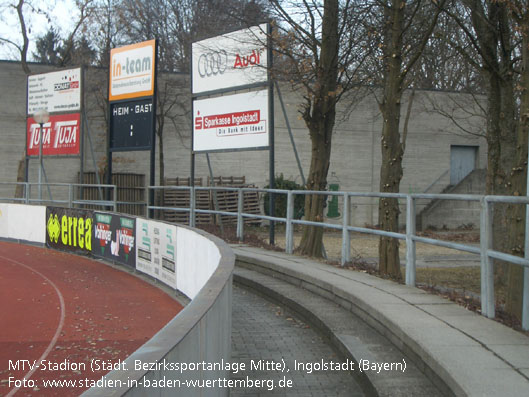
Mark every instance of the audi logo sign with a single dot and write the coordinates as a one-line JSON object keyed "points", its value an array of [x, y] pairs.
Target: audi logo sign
{"points": [[231, 60], [212, 63]]}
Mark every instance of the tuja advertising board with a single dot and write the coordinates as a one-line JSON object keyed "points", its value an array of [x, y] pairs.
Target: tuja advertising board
{"points": [[115, 238], [69, 229], [156, 250]]}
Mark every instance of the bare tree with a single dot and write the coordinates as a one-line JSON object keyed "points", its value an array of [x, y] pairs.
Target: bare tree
{"points": [[495, 44], [406, 28], [321, 49]]}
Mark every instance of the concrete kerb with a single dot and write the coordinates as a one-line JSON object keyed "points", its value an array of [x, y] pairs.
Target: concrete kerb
{"points": [[434, 341]]}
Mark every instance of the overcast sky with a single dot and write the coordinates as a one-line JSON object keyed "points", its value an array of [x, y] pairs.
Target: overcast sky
{"points": [[62, 13]]}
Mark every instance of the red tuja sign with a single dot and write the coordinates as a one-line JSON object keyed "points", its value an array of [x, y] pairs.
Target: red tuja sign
{"points": [[61, 135]]}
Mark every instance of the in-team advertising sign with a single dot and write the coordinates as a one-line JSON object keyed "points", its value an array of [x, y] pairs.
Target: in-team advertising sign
{"points": [[55, 91], [231, 122], [114, 238], [156, 250], [61, 135], [230, 60], [132, 71], [69, 229]]}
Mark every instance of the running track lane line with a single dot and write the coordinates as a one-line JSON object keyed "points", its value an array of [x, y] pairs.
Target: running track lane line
{"points": [[59, 327]]}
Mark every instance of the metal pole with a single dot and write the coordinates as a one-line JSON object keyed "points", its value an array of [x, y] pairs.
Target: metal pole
{"points": [[346, 241], [289, 245], [215, 199], [525, 306], [487, 273], [240, 219], [40, 161], [410, 243], [271, 123], [290, 134]]}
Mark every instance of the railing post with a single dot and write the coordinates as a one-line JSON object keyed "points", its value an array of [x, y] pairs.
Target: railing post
{"points": [[525, 305], [147, 202], [240, 219], [115, 204], [70, 196], [192, 206], [410, 242], [27, 191], [346, 241], [487, 273], [289, 230]]}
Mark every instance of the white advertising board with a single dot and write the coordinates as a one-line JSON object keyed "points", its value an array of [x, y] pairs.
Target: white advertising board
{"points": [[156, 250], [231, 122], [231, 60], [23, 222], [55, 91], [132, 70], [199, 258]]}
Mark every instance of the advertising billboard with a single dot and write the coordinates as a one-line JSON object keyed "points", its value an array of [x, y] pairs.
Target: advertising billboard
{"points": [[69, 229], [131, 125], [114, 238], [55, 91], [132, 70], [156, 250], [61, 135], [231, 122], [230, 60]]}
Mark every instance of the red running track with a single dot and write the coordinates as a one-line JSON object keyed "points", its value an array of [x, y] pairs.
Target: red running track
{"points": [[66, 312]]}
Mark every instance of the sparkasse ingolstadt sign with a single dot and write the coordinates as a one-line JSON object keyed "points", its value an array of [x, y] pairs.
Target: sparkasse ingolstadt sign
{"points": [[229, 122], [132, 71]]}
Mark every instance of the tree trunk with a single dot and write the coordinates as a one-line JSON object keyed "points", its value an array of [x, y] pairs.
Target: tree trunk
{"points": [[391, 145], [517, 183], [320, 115]]}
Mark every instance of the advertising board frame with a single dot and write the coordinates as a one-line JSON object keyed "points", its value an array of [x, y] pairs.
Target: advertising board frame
{"points": [[153, 95], [271, 143]]}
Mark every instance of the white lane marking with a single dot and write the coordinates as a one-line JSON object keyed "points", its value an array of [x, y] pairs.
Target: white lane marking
{"points": [[59, 327]]}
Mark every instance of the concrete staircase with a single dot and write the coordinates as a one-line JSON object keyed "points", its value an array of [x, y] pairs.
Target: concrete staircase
{"points": [[453, 214]]}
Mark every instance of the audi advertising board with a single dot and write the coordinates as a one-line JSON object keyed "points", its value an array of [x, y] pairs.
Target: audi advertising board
{"points": [[54, 91], [156, 250], [131, 125], [60, 135], [230, 60], [231, 122], [114, 238], [69, 229], [132, 70]]}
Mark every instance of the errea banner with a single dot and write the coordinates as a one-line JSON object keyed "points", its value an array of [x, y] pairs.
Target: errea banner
{"points": [[69, 229], [54, 91], [114, 238], [230, 60], [231, 122], [60, 135], [132, 70]]}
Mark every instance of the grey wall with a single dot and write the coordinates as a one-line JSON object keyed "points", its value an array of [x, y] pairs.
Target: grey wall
{"points": [[355, 158]]}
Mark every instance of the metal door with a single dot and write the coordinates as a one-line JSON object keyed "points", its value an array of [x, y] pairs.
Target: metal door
{"points": [[462, 162]]}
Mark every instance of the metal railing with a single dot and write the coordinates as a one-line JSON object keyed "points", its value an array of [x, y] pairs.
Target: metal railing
{"points": [[68, 197], [485, 250], [410, 237]]}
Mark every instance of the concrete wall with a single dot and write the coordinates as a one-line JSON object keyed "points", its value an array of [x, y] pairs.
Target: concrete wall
{"points": [[199, 333], [355, 161]]}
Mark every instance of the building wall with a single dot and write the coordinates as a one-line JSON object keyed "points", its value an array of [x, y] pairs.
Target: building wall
{"points": [[355, 161]]}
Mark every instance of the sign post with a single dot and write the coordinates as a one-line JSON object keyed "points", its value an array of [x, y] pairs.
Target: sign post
{"points": [[132, 102], [233, 122], [51, 99]]}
